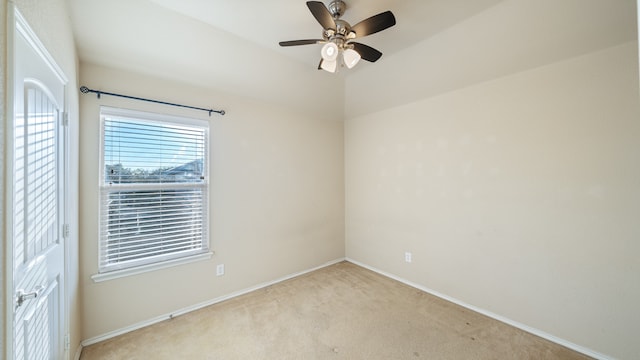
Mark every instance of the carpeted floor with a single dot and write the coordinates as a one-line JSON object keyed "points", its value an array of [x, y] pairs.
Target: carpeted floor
{"points": [[339, 312]]}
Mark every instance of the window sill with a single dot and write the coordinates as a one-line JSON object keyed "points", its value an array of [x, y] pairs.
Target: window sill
{"points": [[111, 275]]}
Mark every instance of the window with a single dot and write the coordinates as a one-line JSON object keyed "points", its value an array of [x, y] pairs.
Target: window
{"points": [[153, 189]]}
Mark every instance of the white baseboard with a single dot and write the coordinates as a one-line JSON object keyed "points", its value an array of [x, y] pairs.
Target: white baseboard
{"points": [[189, 309], [78, 352], [500, 318]]}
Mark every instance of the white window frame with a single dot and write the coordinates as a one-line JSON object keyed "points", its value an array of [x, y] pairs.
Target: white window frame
{"points": [[111, 271]]}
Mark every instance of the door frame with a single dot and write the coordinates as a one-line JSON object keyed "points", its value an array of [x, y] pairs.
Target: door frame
{"points": [[17, 24]]}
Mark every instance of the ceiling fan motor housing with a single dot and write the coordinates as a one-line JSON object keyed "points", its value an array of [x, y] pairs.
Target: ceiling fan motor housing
{"points": [[342, 27]]}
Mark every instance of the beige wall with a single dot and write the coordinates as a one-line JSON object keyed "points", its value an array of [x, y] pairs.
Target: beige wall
{"points": [[277, 199], [519, 196], [50, 22]]}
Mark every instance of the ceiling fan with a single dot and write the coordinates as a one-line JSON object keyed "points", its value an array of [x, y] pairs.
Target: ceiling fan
{"points": [[338, 35]]}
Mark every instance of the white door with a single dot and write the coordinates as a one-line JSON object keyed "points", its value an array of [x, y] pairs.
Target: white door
{"points": [[36, 216]]}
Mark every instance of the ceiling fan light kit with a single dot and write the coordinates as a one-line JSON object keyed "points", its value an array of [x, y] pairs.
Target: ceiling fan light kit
{"points": [[330, 66], [329, 51], [338, 35], [351, 58]]}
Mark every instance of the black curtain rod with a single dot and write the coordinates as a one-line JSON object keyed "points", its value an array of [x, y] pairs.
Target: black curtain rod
{"points": [[85, 90]]}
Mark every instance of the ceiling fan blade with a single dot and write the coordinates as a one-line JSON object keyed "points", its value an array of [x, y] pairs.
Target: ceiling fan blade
{"points": [[322, 14], [374, 24], [300, 42], [366, 52]]}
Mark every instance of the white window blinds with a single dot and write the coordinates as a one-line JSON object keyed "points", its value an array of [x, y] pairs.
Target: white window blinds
{"points": [[153, 189]]}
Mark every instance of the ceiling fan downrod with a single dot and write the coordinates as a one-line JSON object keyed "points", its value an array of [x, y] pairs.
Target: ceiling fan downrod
{"points": [[337, 8], [342, 30]]}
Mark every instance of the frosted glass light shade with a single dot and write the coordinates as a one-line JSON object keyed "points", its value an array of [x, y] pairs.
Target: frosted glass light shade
{"points": [[351, 58], [329, 66], [329, 52]]}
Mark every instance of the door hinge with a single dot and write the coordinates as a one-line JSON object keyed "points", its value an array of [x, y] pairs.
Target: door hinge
{"points": [[65, 119], [67, 342], [65, 231]]}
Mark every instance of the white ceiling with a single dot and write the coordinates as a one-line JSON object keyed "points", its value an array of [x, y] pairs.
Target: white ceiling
{"points": [[232, 45], [268, 22], [104, 28]]}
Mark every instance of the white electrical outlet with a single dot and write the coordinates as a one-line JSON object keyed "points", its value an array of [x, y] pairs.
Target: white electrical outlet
{"points": [[407, 257], [220, 270]]}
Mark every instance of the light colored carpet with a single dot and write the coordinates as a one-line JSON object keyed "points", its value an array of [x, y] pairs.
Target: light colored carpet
{"points": [[339, 312]]}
